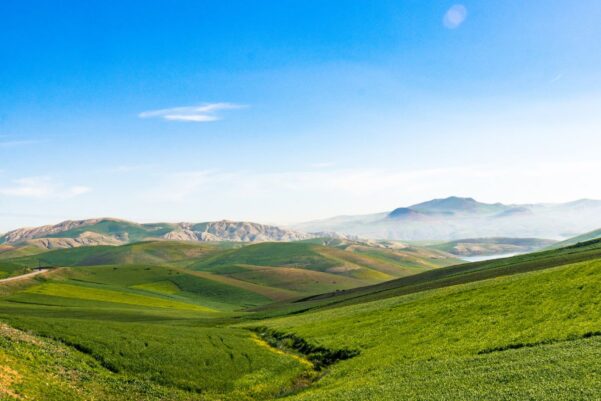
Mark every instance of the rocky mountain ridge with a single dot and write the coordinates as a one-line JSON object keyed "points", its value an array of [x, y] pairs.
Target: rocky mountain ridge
{"points": [[110, 231]]}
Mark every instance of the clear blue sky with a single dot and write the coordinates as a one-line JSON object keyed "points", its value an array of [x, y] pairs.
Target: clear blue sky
{"points": [[281, 111]]}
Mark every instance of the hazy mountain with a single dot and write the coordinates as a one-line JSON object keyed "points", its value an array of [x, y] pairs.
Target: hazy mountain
{"points": [[455, 218], [588, 236], [109, 231]]}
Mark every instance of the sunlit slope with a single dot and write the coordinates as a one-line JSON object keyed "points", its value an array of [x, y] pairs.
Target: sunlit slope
{"points": [[309, 267], [452, 275], [97, 350], [124, 283], [152, 253], [13, 251], [271, 271], [154, 332], [526, 336]]}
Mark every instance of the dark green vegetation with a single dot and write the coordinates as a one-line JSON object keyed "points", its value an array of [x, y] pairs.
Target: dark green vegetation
{"points": [[320, 357], [181, 321], [492, 246]]}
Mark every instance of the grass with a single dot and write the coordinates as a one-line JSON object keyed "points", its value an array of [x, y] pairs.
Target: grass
{"points": [[307, 267], [41, 369], [113, 296], [204, 289], [291, 254], [9, 251], [527, 327], [449, 276], [142, 338], [161, 287], [272, 271], [151, 253], [404, 337]]}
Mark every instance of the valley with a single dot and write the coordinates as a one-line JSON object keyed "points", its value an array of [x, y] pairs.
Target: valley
{"points": [[319, 319]]}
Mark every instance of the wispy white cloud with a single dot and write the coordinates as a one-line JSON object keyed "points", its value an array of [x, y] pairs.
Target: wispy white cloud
{"points": [[455, 16], [42, 188], [200, 114]]}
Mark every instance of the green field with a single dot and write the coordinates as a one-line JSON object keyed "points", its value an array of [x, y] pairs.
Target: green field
{"points": [[208, 323]]}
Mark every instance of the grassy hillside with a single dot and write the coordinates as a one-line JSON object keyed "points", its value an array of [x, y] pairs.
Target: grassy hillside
{"points": [[309, 267], [152, 252], [527, 336], [525, 327], [270, 271], [452, 275], [97, 351]]}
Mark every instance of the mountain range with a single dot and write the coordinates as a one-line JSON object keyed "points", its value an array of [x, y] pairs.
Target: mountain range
{"points": [[110, 231], [456, 218], [449, 219]]}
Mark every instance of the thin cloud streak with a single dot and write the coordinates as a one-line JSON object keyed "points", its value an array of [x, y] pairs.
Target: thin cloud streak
{"points": [[42, 188], [201, 114], [15, 143]]}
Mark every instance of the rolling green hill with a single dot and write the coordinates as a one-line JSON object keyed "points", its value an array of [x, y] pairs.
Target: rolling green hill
{"points": [[151, 252], [276, 270], [449, 276], [181, 322], [528, 336], [306, 266]]}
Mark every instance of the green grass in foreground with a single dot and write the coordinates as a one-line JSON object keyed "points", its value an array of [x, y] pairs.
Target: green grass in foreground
{"points": [[153, 352], [457, 342]]}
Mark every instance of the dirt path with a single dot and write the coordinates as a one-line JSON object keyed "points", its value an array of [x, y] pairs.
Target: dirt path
{"points": [[23, 276]]}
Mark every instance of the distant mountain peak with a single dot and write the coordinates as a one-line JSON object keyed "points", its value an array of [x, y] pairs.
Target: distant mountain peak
{"points": [[450, 204], [403, 213]]}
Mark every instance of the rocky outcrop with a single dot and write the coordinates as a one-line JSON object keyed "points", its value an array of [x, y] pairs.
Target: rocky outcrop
{"points": [[85, 239], [238, 231], [24, 234], [69, 234]]}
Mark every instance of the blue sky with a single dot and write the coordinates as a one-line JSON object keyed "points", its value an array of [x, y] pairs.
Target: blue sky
{"points": [[282, 111]]}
